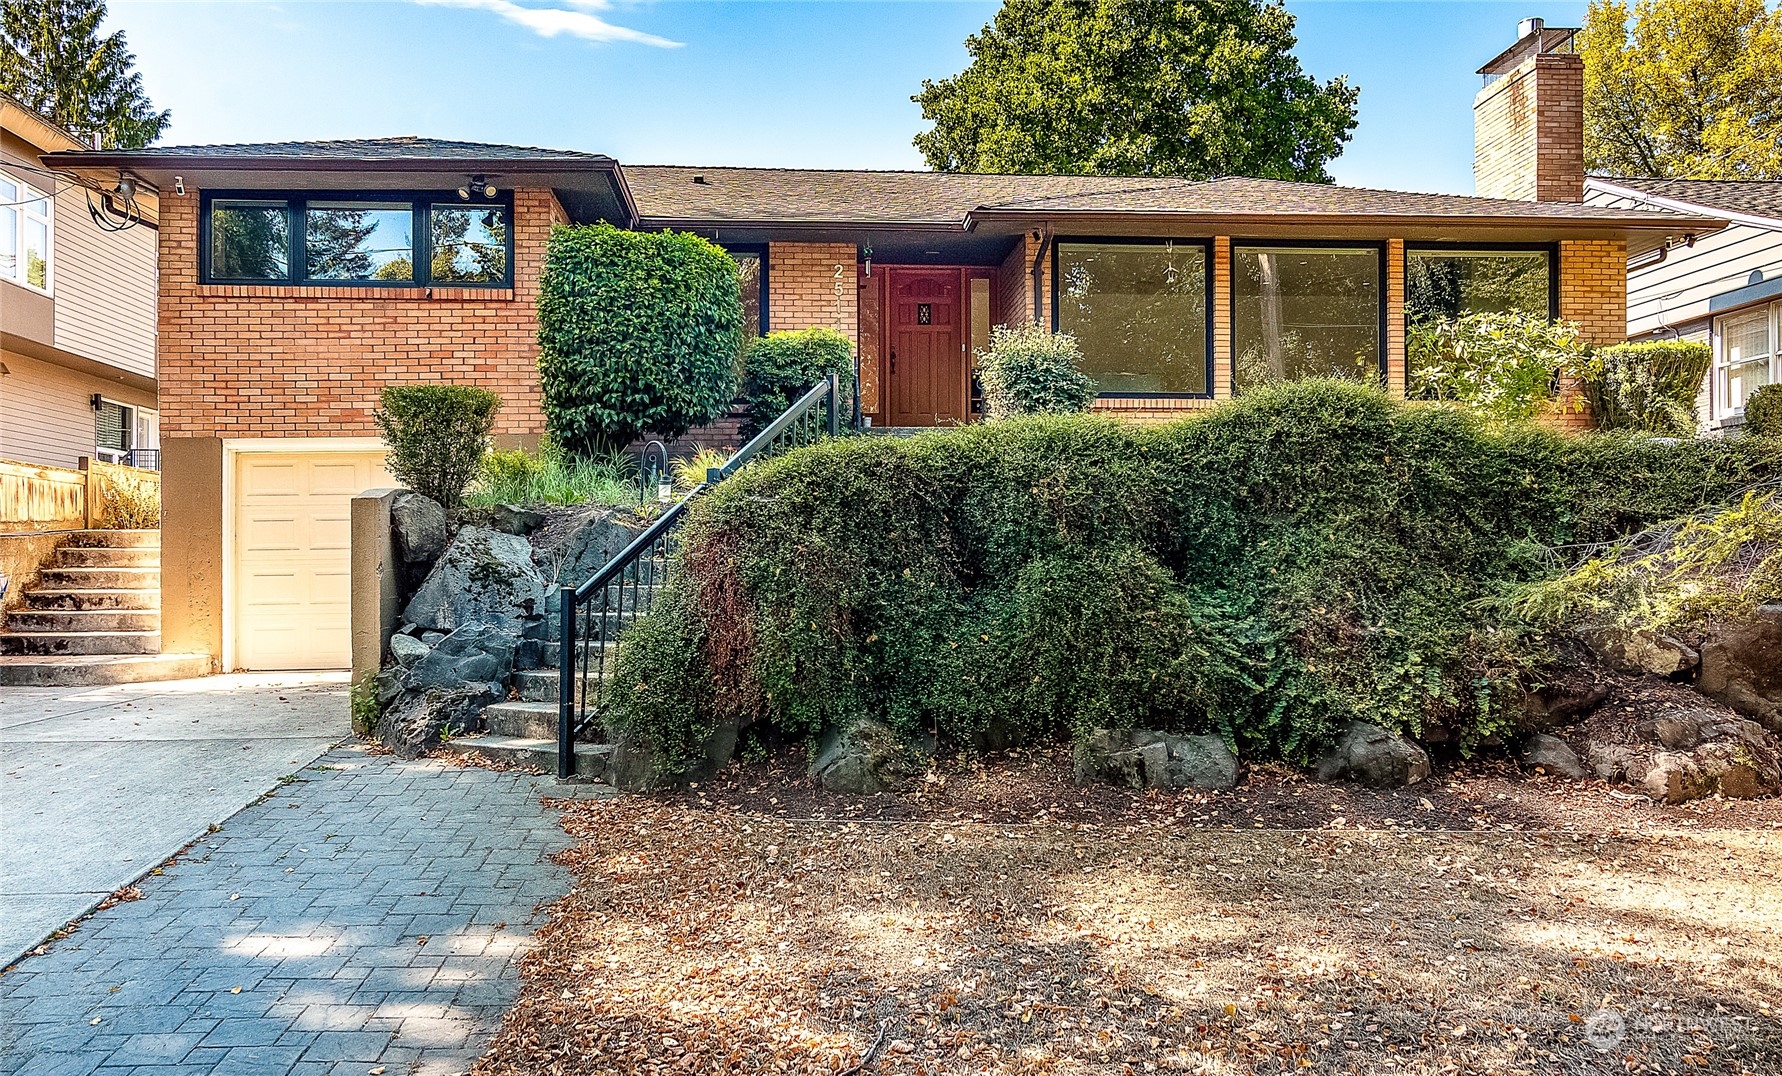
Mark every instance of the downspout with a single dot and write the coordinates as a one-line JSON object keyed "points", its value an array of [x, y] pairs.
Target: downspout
{"points": [[1039, 262]]}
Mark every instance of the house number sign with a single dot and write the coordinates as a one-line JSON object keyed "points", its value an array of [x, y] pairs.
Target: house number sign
{"points": [[924, 313]]}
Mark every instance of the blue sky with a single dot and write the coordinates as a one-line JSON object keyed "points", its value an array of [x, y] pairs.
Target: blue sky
{"points": [[747, 82]]}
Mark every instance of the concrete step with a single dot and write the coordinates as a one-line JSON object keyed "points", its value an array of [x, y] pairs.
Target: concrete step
{"points": [[534, 720], [551, 654], [73, 556], [94, 670], [53, 644], [590, 758], [540, 685], [93, 599], [83, 620], [116, 539], [100, 579]]}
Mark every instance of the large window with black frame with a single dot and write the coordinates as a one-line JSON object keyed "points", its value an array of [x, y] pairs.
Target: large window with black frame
{"points": [[1305, 311], [1138, 309]]}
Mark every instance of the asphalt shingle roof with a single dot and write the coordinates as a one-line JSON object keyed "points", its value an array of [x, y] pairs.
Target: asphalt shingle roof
{"points": [[404, 147], [675, 192], [1759, 198]]}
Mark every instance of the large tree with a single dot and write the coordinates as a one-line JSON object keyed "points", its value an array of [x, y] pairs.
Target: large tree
{"points": [[53, 60], [1683, 89], [1195, 88]]}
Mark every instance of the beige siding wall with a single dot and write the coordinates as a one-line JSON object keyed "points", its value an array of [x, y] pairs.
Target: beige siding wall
{"points": [[104, 287], [46, 414]]}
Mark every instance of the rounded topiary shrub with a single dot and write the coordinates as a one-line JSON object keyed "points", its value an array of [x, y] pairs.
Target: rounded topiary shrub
{"points": [[1028, 370], [1648, 386], [637, 332], [437, 436], [1763, 411], [781, 367]]}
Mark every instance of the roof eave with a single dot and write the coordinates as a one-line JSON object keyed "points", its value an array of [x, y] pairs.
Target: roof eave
{"points": [[1680, 205]]}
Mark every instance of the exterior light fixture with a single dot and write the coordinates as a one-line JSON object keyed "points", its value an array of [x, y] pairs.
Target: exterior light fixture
{"points": [[477, 187], [866, 253], [179, 185]]}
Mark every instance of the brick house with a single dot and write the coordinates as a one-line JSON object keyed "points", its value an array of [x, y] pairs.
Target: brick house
{"points": [[298, 279]]}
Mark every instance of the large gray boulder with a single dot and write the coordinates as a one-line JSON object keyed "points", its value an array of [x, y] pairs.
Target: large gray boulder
{"points": [[484, 577], [637, 766], [1552, 754], [407, 649], [1686, 756], [1742, 666], [587, 545], [1146, 759], [417, 529], [865, 756], [1369, 755], [417, 721], [472, 655]]}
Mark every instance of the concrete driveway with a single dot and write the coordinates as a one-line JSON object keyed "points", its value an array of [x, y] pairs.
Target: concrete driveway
{"points": [[98, 785]]}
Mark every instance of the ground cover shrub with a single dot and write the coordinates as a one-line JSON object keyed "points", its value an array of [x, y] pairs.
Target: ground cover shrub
{"points": [[1763, 412], [437, 435], [1030, 370], [1648, 386], [551, 476], [1504, 366], [781, 367], [1307, 555], [637, 332]]}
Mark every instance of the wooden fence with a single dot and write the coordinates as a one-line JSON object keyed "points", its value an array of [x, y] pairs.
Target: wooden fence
{"points": [[34, 498]]}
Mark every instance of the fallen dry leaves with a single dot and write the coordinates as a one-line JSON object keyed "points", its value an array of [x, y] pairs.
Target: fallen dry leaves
{"points": [[706, 938]]}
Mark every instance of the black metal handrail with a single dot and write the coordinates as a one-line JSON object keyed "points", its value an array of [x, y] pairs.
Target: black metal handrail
{"points": [[592, 616]]}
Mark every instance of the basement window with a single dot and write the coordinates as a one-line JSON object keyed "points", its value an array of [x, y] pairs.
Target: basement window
{"points": [[359, 240]]}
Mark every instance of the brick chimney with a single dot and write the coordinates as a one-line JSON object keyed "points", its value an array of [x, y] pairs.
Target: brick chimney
{"points": [[1528, 121]]}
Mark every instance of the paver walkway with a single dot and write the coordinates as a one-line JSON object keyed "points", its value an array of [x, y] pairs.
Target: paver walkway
{"points": [[370, 914], [99, 784]]}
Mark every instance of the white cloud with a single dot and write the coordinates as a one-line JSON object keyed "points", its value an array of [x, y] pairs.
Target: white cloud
{"points": [[551, 21]]}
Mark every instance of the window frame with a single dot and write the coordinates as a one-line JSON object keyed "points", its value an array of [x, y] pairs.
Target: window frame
{"points": [[127, 425], [296, 204], [1772, 316], [759, 250], [1205, 243], [28, 193], [1549, 249], [1378, 246]]}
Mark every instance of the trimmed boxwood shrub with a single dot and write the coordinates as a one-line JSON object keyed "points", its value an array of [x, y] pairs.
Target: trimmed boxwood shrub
{"points": [[437, 435], [780, 367], [1763, 411], [1307, 555], [1648, 386], [637, 332], [1030, 370]]}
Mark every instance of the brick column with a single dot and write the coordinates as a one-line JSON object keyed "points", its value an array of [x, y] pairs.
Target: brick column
{"points": [[1593, 293], [1222, 317], [1395, 317]]}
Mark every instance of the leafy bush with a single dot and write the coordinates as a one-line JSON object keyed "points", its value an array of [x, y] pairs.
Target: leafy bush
{"points": [[781, 367], [1763, 411], [1648, 386], [437, 435], [1504, 366], [637, 331], [548, 476], [1029, 370], [1307, 555], [128, 503]]}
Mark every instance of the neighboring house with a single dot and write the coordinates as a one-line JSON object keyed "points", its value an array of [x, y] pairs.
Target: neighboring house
{"points": [[297, 279], [1725, 289], [77, 311]]}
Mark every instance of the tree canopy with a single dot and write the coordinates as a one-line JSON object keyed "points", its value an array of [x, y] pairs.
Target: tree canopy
{"points": [[1196, 88], [54, 62], [1683, 89]]}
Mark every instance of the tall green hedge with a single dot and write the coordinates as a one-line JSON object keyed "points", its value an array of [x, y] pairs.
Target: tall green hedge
{"points": [[1285, 563], [1648, 386], [637, 332], [780, 367]]}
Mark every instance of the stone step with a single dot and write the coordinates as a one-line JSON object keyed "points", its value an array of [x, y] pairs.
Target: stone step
{"points": [[551, 655], [93, 599], [51, 644], [540, 685], [590, 758], [83, 620], [73, 556], [95, 670], [534, 720], [100, 579], [116, 539]]}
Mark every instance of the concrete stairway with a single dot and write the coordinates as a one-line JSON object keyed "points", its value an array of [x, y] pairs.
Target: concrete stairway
{"points": [[524, 732], [94, 617]]}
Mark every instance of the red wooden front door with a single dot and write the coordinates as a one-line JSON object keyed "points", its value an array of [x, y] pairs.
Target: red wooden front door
{"points": [[926, 357]]}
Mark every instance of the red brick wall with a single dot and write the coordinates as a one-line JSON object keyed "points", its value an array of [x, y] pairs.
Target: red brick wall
{"points": [[269, 361], [813, 284]]}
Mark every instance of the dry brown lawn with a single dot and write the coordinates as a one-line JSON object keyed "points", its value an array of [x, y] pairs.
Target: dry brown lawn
{"points": [[738, 933]]}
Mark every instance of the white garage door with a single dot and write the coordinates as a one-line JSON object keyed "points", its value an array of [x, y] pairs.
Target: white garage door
{"points": [[293, 537]]}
